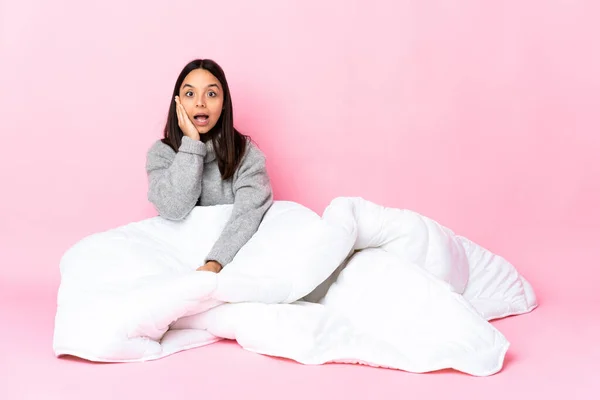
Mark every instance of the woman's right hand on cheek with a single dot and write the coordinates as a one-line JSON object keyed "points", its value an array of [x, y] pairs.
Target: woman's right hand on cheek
{"points": [[185, 123]]}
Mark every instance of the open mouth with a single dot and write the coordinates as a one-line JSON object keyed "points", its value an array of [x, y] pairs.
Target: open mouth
{"points": [[201, 119]]}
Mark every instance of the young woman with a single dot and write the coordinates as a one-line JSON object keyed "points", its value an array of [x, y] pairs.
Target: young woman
{"points": [[203, 161]]}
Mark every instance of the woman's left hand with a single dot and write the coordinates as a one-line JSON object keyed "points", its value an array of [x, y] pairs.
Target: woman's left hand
{"points": [[211, 266]]}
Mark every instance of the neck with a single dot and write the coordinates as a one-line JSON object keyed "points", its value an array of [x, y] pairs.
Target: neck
{"points": [[210, 151]]}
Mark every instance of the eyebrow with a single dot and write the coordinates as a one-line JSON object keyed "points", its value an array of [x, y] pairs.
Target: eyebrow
{"points": [[211, 85]]}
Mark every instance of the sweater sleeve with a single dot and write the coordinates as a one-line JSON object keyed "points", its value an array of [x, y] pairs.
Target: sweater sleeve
{"points": [[175, 179], [253, 196]]}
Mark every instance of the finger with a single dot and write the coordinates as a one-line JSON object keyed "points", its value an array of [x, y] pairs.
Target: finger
{"points": [[184, 117], [184, 122], [181, 111]]}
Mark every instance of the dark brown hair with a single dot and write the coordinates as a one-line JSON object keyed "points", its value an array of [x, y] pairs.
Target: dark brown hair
{"points": [[229, 144]]}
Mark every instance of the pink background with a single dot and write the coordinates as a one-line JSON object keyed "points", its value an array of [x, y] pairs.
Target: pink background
{"points": [[482, 115]]}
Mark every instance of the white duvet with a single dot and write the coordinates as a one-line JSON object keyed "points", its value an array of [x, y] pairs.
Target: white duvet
{"points": [[362, 284]]}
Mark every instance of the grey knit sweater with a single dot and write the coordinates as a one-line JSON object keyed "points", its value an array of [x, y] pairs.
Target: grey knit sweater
{"points": [[178, 181]]}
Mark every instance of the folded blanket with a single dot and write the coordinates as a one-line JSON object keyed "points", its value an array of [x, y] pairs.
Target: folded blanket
{"points": [[362, 284]]}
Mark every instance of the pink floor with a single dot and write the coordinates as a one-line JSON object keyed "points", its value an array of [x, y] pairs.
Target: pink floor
{"points": [[554, 353]]}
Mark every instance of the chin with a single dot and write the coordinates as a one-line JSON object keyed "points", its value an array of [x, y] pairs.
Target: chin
{"points": [[205, 130]]}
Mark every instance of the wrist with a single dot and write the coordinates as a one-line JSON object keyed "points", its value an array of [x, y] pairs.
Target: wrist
{"points": [[192, 136], [215, 265], [189, 145]]}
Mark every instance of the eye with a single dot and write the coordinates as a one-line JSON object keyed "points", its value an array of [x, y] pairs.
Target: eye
{"points": [[212, 94], [189, 93]]}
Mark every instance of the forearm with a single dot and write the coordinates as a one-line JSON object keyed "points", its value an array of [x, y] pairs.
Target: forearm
{"points": [[253, 197], [238, 231], [174, 189]]}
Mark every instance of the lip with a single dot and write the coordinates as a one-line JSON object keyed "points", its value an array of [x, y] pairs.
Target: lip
{"points": [[201, 122]]}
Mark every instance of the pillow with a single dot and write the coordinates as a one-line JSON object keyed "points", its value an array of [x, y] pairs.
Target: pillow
{"points": [[292, 252], [495, 288], [428, 325], [293, 249], [404, 233], [122, 289]]}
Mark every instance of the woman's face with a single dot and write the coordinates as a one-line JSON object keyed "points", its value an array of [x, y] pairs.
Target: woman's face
{"points": [[201, 95]]}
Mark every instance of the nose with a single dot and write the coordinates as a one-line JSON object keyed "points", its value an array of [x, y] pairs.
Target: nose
{"points": [[200, 102]]}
